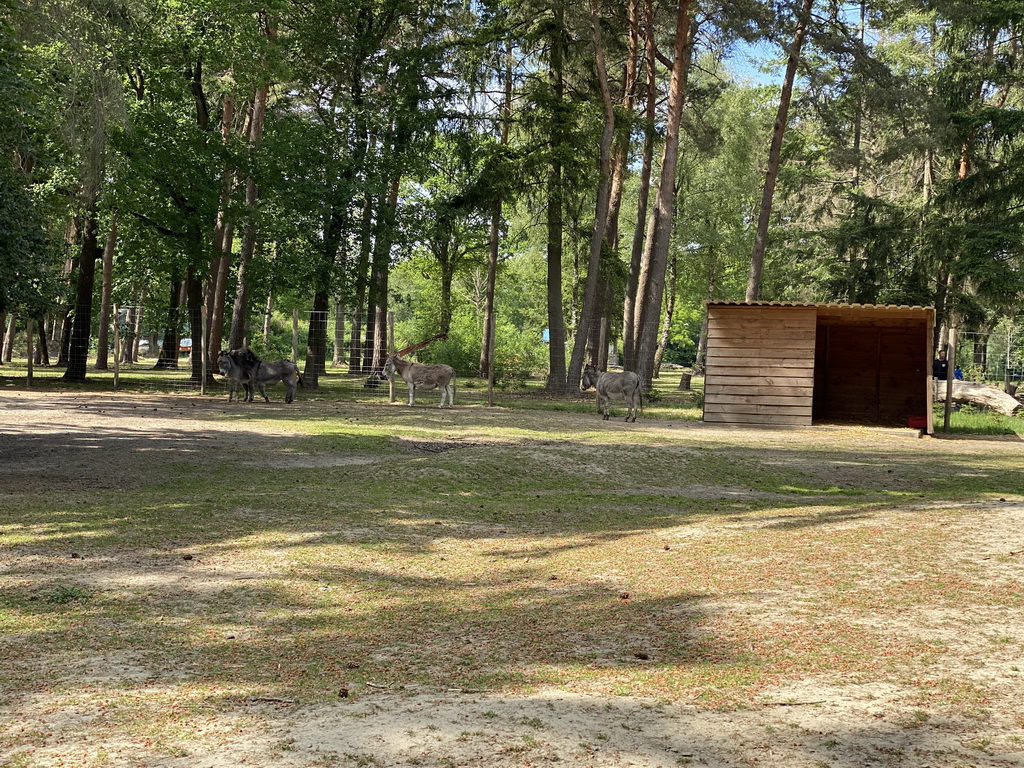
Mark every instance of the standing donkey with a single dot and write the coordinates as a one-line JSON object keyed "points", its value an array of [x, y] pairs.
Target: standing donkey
{"points": [[419, 376], [625, 386]]}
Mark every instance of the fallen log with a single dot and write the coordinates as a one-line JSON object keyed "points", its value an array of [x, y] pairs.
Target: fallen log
{"points": [[977, 393]]}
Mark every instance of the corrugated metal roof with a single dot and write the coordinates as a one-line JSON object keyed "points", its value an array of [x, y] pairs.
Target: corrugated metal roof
{"points": [[816, 305]]}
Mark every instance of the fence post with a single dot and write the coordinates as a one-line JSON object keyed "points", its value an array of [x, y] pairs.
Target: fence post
{"points": [[31, 353], [206, 347], [117, 344], [391, 351], [490, 361], [951, 366], [295, 336]]}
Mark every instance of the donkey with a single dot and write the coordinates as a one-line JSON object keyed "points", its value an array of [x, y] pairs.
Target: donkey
{"points": [[419, 376], [242, 366], [234, 365], [625, 385]]}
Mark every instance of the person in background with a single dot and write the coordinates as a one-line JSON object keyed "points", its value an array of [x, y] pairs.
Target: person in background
{"points": [[940, 367]]}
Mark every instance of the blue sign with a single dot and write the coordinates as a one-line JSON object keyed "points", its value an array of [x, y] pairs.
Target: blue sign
{"points": [[546, 337]]}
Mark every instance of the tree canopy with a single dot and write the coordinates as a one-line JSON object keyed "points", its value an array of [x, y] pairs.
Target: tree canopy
{"points": [[613, 159]]}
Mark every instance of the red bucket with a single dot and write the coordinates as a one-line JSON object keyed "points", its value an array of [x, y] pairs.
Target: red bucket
{"points": [[918, 422]]}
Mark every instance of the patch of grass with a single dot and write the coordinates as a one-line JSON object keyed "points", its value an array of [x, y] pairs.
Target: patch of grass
{"points": [[63, 594], [970, 420]]}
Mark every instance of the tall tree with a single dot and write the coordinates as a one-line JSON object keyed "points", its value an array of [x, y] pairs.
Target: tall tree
{"points": [[775, 152], [651, 284], [598, 239]]}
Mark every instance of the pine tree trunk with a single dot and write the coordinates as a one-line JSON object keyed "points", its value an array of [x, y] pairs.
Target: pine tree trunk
{"points": [[240, 312], [220, 257], [555, 224], [666, 325], [651, 286], [361, 315], [597, 240], [487, 347], [643, 197], [376, 331]]}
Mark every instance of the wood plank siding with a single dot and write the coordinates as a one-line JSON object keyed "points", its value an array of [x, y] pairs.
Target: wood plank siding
{"points": [[760, 365], [794, 364]]}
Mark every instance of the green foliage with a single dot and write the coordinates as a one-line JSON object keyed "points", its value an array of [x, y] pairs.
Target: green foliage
{"points": [[24, 250]]}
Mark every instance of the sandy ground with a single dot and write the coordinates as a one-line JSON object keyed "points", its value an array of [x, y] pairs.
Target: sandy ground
{"points": [[808, 725]]}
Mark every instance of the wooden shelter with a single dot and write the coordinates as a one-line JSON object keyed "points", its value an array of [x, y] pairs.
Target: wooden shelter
{"points": [[802, 364]]}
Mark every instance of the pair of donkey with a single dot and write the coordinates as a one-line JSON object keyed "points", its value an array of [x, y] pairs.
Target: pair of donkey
{"points": [[247, 372]]}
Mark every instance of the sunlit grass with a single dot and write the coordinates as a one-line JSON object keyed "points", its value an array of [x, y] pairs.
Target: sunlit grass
{"points": [[969, 420]]}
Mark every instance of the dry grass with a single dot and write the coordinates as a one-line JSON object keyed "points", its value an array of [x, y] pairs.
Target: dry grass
{"points": [[169, 562]]}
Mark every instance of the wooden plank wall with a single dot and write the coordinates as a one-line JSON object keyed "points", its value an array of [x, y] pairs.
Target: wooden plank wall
{"points": [[760, 365]]}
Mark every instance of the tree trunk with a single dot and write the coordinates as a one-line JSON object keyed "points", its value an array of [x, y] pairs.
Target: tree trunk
{"points": [[775, 155], [339, 333], [376, 334], [651, 285], [106, 291], [12, 326], [316, 350], [42, 354], [240, 313], [487, 347], [81, 328], [597, 240], [267, 314], [555, 222], [643, 197], [666, 325], [979, 393], [447, 276], [360, 316], [194, 303], [128, 345], [220, 256], [139, 316], [169, 349]]}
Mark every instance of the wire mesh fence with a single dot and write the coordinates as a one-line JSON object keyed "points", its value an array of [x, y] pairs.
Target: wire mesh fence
{"points": [[134, 351], [996, 356], [137, 348]]}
